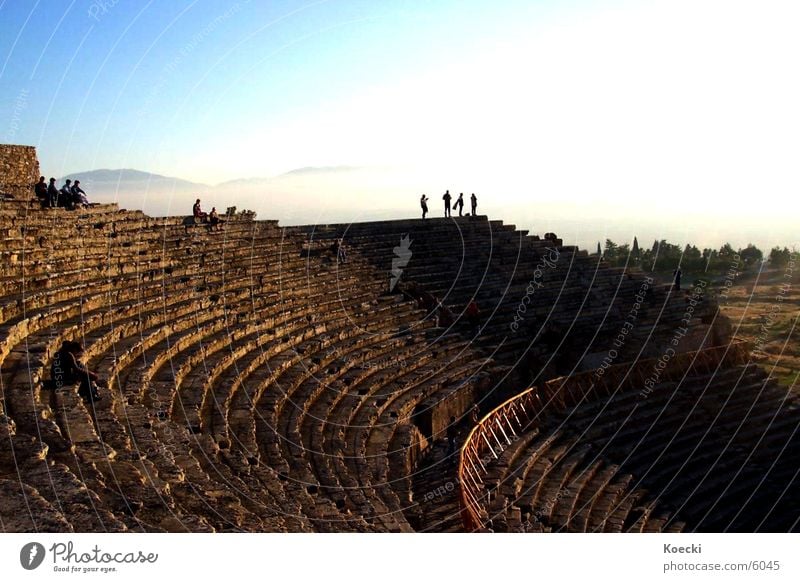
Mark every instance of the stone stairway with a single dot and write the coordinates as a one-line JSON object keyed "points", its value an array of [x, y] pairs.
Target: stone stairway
{"points": [[436, 506]]}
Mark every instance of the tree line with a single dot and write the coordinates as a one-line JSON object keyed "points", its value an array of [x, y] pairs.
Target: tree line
{"points": [[664, 256]]}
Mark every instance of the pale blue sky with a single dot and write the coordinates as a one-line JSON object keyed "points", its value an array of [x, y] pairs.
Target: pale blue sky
{"points": [[675, 111], [107, 83]]}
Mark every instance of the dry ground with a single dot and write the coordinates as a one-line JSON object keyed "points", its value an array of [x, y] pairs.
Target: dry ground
{"points": [[765, 309]]}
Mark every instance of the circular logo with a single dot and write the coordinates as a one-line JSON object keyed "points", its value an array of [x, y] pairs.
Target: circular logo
{"points": [[31, 555]]}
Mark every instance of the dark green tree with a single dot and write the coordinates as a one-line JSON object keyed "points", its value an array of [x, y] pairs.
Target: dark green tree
{"points": [[667, 256], [692, 259], [726, 252], [623, 256], [751, 255], [611, 251], [779, 257], [711, 260]]}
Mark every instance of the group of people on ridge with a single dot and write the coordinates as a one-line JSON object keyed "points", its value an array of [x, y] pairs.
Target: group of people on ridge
{"points": [[69, 196], [459, 204]]}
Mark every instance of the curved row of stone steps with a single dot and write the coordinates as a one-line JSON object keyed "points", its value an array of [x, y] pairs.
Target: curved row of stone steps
{"points": [[205, 335], [690, 456]]}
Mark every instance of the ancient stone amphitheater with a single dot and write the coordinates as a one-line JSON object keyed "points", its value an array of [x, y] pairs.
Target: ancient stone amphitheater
{"points": [[259, 383]]}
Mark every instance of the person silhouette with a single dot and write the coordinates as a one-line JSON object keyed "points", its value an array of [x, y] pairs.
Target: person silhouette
{"points": [[460, 204], [446, 199], [78, 195], [41, 192], [52, 194], [474, 201], [198, 213], [342, 251], [65, 195], [423, 202], [67, 369], [214, 219]]}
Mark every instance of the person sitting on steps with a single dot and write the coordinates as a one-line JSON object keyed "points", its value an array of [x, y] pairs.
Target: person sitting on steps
{"points": [[199, 215], [78, 195], [213, 218], [67, 370], [65, 195], [52, 194], [41, 192]]}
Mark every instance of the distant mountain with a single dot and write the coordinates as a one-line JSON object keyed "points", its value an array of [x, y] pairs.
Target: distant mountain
{"points": [[308, 171], [298, 195], [126, 177], [317, 170], [129, 177], [153, 193]]}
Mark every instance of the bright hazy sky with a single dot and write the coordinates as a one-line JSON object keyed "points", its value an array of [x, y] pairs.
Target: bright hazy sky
{"points": [[676, 107]]}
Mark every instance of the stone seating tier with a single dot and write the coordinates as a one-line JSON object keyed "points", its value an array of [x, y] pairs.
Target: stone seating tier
{"points": [[219, 345], [689, 456], [255, 382]]}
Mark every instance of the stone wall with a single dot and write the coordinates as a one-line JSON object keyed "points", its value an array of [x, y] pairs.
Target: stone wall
{"points": [[19, 170]]}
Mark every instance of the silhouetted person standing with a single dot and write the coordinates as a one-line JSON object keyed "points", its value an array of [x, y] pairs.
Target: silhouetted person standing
{"points": [[52, 193], [446, 199], [423, 202], [474, 201], [341, 251], [460, 204], [41, 191], [677, 274]]}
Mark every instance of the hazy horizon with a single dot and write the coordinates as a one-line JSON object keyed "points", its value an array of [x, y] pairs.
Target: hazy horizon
{"points": [[294, 198]]}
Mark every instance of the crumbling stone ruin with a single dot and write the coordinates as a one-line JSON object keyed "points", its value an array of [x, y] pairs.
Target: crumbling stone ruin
{"points": [[19, 171]]}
